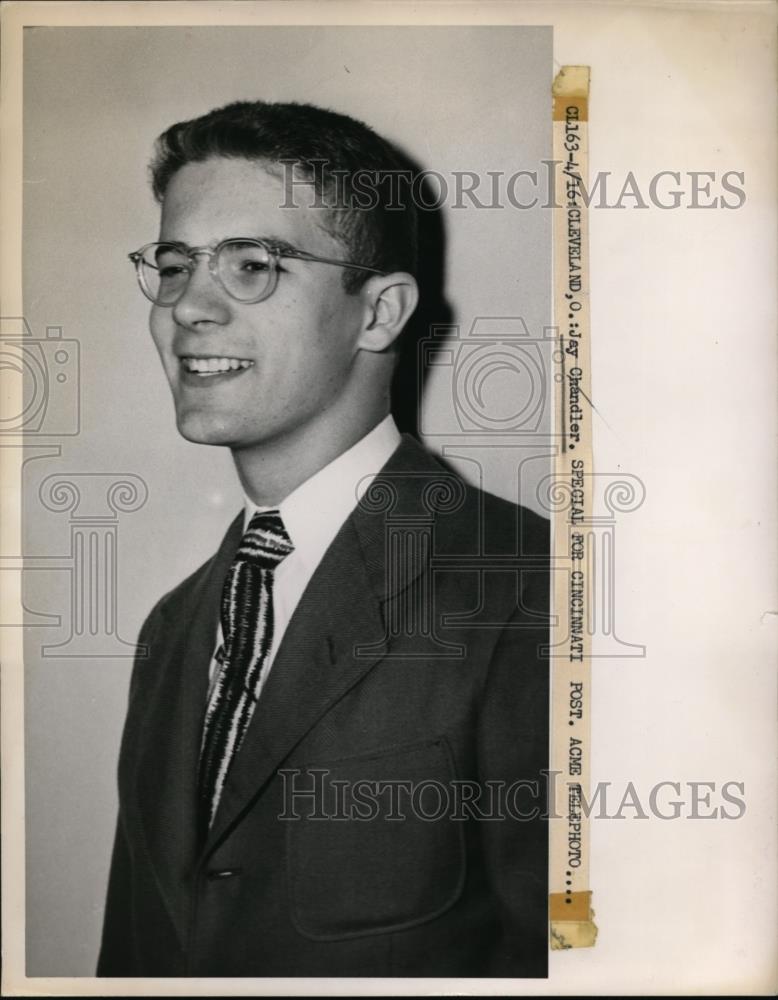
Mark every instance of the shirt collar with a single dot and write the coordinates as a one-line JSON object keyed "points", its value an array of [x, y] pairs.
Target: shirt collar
{"points": [[315, 511]]}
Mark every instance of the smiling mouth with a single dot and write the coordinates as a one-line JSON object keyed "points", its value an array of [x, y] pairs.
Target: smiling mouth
{"points": [[205, 367]]}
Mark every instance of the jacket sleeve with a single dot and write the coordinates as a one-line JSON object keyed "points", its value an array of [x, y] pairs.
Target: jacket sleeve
{"points": [[118, 952], [513, 746], [117, 949]]}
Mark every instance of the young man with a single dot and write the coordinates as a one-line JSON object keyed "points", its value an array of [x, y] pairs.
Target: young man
{"points": [[323, 707]]}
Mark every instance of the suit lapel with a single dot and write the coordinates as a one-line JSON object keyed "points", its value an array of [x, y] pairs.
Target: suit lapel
{"points": [[316, 664], [166, 777], [337, 633]]}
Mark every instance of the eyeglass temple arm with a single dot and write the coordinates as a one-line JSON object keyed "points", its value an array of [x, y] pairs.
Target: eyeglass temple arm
{"points": [[304, 255]]}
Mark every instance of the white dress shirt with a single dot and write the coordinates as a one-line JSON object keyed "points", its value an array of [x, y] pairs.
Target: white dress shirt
{"points": [[312, 515]]}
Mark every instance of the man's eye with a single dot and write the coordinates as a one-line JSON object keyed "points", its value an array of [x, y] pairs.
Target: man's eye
{"points": [[254, 266], [171, 270]]}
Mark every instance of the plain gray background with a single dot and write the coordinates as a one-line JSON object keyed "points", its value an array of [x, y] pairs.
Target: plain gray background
{"points": [[466, 98]]}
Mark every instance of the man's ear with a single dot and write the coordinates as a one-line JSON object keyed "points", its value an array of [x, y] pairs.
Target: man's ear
{"points": [[388, 301]]}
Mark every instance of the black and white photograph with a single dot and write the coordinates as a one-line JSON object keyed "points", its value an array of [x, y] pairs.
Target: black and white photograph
{"points": [[326, 547], [387, 440]]}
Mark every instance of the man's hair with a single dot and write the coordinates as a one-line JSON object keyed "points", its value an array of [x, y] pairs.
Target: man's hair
{"points": [[333, 152]]}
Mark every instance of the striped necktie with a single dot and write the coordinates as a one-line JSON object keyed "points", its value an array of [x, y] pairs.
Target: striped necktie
{"points": [[247, 627]]}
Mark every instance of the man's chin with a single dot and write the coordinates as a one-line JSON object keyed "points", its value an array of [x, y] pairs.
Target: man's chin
{"points": [[203, 431]]}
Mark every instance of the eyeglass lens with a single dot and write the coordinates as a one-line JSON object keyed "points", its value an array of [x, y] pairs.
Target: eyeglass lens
{"points": [[244, 269]]}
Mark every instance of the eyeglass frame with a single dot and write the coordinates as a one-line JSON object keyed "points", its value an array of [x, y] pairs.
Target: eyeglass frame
{"points": [[276, 253]]}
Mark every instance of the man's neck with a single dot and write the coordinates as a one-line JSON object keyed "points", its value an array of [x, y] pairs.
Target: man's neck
{"points": [[271, 471]]}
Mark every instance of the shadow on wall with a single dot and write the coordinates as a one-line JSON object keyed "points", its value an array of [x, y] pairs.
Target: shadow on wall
{"points": [[433, 309]]}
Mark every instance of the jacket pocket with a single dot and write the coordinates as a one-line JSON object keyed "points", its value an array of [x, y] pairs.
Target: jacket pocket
{"points": [[380, 852]]}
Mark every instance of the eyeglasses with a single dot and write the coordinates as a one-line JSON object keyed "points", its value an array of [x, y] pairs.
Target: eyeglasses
{"points": [[246, 268]]}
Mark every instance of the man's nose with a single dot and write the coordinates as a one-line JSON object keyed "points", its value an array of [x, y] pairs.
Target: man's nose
{"points": [[203, 301]]}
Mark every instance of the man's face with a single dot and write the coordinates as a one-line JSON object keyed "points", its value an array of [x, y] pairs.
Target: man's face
{"points": [[291, 355]]}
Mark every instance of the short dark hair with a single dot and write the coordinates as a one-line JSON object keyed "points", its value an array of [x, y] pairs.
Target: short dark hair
{"points": [[328, 150]]}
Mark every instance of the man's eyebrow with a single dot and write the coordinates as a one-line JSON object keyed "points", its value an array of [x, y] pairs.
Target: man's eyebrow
{"points": [[278, 243]]}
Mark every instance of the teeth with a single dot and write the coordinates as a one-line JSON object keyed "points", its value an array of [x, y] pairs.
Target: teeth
{"points": [[212, 366]]}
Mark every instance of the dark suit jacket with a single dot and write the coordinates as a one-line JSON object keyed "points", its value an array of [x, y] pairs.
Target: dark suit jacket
{"points": [[413, 657]]}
